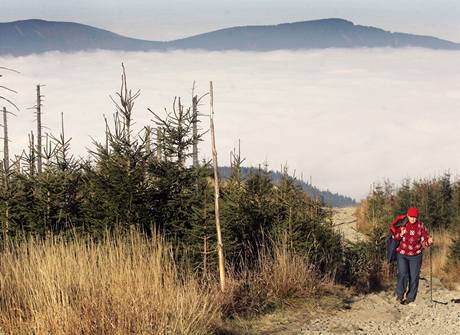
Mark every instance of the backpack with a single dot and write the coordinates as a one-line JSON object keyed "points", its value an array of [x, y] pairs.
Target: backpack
{"points": [[393, 244]]}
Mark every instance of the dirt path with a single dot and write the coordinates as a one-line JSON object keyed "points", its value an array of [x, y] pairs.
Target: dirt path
{"points": [[381, 313], [371, 314], [345, 221]]}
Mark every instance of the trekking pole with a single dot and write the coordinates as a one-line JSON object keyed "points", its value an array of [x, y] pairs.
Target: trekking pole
{"points": [[431, 277]]}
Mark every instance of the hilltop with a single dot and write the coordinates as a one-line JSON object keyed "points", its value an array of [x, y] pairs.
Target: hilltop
{"points": [[37, 36]]}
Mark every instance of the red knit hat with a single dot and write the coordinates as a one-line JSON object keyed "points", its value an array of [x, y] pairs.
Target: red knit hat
{"points": [[412, 211]]}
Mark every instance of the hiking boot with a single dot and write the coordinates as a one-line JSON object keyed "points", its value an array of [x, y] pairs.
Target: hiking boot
{"points": [[410, 303]]}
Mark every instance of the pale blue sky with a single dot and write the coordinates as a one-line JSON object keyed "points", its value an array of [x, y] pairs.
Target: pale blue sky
{"points": [[163, 20]]}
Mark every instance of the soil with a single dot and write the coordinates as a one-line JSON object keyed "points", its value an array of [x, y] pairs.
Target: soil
{"points": [[436, 311], [382, 314], [345, 221]]}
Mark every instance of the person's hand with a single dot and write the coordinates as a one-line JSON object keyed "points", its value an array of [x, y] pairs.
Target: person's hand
{"points": [[430, 240], [403, 231]]}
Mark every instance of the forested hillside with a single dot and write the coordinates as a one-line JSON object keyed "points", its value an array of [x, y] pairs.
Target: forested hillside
{"points": [[327, 197]]}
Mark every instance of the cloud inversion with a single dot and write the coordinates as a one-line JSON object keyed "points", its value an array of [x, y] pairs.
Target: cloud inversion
{"points": [[347, 118]]}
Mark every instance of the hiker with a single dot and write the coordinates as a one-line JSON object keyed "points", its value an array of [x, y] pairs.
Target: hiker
{"points": [[413, 239]]}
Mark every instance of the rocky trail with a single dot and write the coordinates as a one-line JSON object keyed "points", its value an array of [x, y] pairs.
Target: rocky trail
{"points": [[344, 220], [382, 314], [379, 313]]}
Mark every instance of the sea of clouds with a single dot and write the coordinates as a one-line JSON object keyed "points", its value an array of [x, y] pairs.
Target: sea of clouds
{"points": [[347, 118]]}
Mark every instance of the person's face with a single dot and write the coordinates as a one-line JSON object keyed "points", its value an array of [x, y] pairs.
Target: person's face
{"points": [[412, 219]]}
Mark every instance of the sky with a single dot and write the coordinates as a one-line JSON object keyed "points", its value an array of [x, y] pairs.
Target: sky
{"points": [[344, 118], [170, 19]]}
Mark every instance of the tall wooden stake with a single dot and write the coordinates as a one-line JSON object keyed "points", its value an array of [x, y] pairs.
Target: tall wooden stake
{"points": [[159, 143], [31, 154], [39, 130], [220, 246], [148, 141], [6, 162], [195, 130], [6, 156]]}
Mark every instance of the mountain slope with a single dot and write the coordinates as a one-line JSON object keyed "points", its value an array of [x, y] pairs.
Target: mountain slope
{"points": [[319, 34], [36, 36], [329, 198]]}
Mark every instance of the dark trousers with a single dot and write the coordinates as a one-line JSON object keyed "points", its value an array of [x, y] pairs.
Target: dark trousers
{"points": [[408, 273]]}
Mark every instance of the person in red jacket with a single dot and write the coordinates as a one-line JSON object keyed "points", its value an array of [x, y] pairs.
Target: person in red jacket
{"points": [[414, 238]]}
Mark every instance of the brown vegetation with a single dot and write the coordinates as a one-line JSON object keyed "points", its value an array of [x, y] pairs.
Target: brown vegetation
{"points": [[132, 285], [278, 277], [120, 286]]}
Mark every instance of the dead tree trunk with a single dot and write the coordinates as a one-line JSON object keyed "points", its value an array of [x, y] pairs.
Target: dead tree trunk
{"points": [[180, 121], [39, 131], [107, 134], [31, 154], [220, 246], [159, 143], [6, 156], [195, 130], [148, 141], [6, 162]]}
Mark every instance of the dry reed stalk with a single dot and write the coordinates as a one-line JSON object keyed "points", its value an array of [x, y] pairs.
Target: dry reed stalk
{"points": [[120, 286]]}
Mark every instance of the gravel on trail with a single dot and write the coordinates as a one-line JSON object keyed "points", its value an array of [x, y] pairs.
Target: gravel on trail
{"points": [[381, 313]]}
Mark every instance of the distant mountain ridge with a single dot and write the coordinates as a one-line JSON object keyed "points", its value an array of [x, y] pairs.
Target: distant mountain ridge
{"points": [[329, 198], [37, 36]]}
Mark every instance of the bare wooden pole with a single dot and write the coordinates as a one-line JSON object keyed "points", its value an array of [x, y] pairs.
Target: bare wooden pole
{"points": [[39, 130], [180, 120], [195, 130], [148, 141], [6, 162], [31, 154], [6, 156], [220, 246], [159, 143]]}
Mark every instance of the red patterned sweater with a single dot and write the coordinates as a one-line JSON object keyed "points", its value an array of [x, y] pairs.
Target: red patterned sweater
{"points": [[414, 240]]}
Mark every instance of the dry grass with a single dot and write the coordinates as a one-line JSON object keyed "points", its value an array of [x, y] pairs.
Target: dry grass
{"points": [[119, 286], [452, 277], [132, 285], [286, 274], [448, 273], [362, 223], [280, 293], [279, 277], [440, 254]]}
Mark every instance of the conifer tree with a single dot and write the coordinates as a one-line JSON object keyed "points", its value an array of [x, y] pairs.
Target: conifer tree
{"points": [[117, 182], [404, 198], [455, 205]]}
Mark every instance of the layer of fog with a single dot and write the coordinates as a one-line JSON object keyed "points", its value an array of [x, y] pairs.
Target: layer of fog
{"points": [[347, 118]]}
